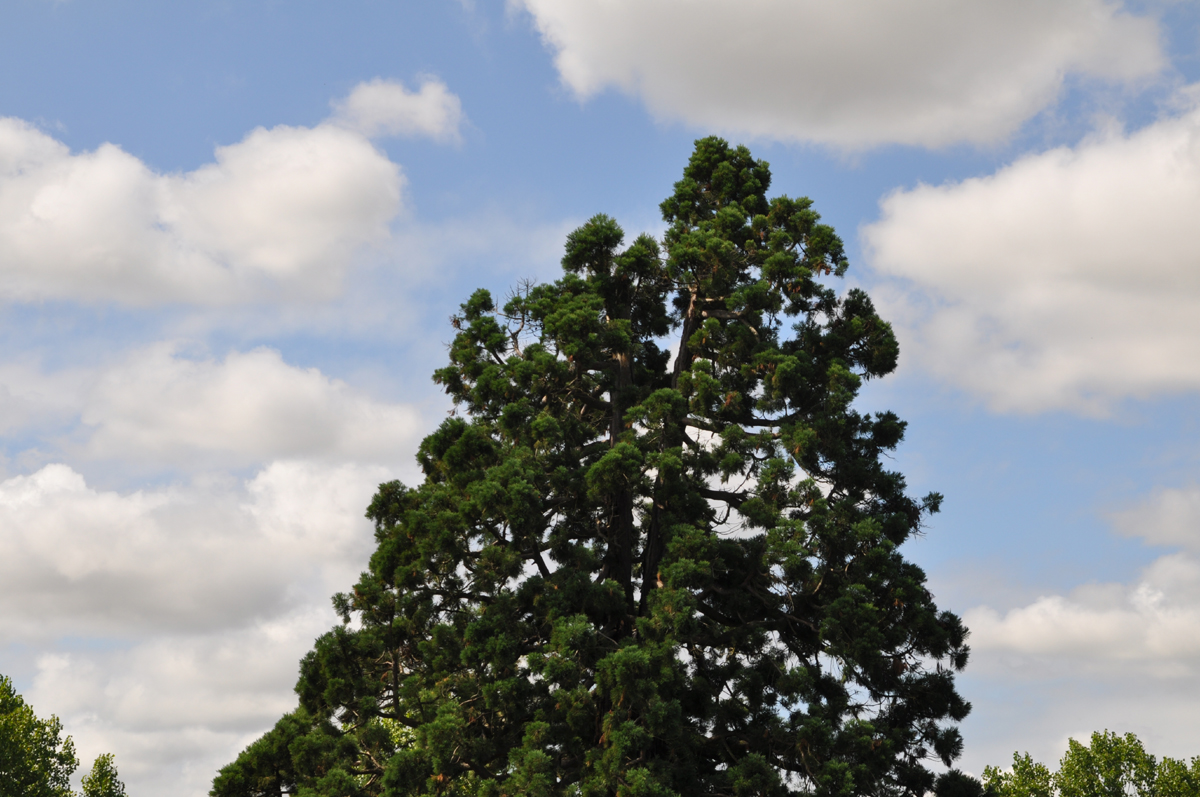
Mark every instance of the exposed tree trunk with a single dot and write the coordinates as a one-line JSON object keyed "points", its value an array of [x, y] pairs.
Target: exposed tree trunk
{"points": [[622, 531], [652, 554], [623, 511], [653, 550], [689, 328]]}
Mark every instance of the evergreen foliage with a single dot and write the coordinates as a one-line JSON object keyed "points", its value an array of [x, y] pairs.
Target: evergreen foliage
{"points": [[956, 783], [624, 575]]}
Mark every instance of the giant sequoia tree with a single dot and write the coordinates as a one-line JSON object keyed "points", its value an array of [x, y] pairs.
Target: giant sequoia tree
{"points": [[656, 552]]}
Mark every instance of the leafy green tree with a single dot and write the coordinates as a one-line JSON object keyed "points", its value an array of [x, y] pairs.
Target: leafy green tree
{"points": [[632, 574], [35, 759], [1109, 766], [102, 781], [1027, 778], [1175, 778]]}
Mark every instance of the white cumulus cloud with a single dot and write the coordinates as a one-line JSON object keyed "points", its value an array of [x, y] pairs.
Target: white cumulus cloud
{"points": [[280, 215], [249, 407], [386, 108], [852, 74], [1153, 622], [1123, 656], [1069, 279], [174, 709], [75, 560], [1169, 517], [169, 621]]}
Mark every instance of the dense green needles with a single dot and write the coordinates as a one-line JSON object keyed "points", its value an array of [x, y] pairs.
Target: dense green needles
{"points": [[632, 574]]}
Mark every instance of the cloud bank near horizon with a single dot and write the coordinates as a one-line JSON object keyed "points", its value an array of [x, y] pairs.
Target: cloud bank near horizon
{"points": [[1134, 642], [182, 611]]}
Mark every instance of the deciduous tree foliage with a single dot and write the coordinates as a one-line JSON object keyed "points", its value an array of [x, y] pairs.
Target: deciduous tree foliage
{"points": [[1110, 765], [102, 780], [632, 574], [36, 760]]}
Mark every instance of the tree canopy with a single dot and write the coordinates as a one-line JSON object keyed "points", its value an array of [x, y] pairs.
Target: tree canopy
{"points": [[102, 780], [36, 760], [1110, 765], [656, 550]]}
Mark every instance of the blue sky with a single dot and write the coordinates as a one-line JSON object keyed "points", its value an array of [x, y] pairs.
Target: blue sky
{"points": [[231, 235]]}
